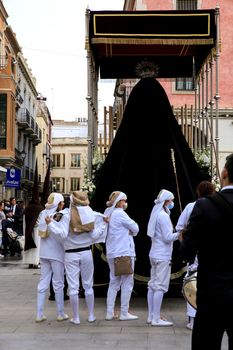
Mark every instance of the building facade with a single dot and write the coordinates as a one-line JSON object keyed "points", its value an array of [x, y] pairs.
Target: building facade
{"points": [[69, 155], [189, 100], [23, 116]]}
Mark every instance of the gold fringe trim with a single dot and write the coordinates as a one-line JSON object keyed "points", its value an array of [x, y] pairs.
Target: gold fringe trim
{"points": [[178, 274], [134, 41]]}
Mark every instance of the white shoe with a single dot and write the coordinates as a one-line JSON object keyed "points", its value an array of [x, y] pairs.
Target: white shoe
{"points": [[161, 323], [41, 319], [62, 317], [75, 320], [189, 326], [149, 319], [91, 318], [109, 316], [128, 317]]}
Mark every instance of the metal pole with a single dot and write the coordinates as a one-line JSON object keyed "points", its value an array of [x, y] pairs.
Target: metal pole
{"points": [[203, 109], [89, 98], [207, 104], [217, 96], [199, 113], [195, 119], [211, 103]]}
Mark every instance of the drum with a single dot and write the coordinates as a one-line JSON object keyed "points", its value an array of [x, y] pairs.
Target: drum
{"points": [[190, 289]]}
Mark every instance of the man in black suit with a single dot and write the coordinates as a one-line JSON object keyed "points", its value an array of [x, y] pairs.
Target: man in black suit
{"points": [[18, 211], [210, 235]]}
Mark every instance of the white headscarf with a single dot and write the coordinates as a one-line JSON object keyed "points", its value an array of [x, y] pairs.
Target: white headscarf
{"points": [[163, 196], [109, 210], [50, 208]]}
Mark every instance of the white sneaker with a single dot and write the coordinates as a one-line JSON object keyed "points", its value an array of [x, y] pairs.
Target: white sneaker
{"points": [[128, 317], [109, 316], [41, 319], [91, 318], [149, 319], [62, 317], [161, 323], [189, 326], [75, 320]]}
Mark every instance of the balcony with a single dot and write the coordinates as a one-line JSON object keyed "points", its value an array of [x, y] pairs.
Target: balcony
{"points": [[19, 98], [29, 125], [36, 136], [25, 120]]}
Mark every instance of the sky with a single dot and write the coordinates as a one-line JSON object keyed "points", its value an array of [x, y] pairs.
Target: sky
{"points": [[52, 36]]}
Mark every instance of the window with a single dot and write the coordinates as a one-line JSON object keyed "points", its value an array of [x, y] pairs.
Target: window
{"points": [[58, 184], [186, 84], [186, 5], [3, 120], [74, 183], [75, 160], [58, 160]]}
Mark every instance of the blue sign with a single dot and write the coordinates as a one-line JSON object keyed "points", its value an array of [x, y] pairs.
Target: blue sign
{"points": [[13, 178]]}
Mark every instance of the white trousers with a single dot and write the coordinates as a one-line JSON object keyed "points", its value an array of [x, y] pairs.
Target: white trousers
{"points": [[51, 268], [124, 283], [160, 274], [55, 269], [191, 312], [76, 264], [157, 286]]}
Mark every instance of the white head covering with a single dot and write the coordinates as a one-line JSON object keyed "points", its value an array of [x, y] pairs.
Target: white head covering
{"points": [[113, 200], [50, 208], [163, 196]]}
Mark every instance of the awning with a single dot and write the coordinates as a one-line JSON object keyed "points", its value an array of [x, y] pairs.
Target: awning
{"points": [[176, 41], [3, 170]]}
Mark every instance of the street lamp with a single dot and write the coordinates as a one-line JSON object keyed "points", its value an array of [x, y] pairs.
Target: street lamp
{"points": [[23, 156]]}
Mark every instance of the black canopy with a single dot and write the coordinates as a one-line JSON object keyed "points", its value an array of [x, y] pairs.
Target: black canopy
{"points": [[175, 40]]}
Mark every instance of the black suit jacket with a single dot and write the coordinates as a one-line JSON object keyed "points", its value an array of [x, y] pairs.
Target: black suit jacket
{"points": [[210, 235]]}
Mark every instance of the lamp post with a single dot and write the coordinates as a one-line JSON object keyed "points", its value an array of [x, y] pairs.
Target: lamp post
{"points": [[23, 156]]}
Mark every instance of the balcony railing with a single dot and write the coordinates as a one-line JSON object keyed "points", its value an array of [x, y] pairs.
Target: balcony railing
{"points": [[24, 118], [28, 123], [19, 98]]}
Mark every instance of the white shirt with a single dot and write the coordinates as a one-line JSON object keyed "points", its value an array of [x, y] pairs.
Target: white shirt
{"points": [[72, 240], [181, 225], [50, 247], [120, 234], [184, 217], [162, 242]]}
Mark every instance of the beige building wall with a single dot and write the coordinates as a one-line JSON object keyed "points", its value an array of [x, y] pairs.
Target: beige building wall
{"points": [[69, 159]]}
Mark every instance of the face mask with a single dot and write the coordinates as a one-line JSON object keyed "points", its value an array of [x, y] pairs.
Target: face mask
{"points": [[170, 205], [125, 206]]}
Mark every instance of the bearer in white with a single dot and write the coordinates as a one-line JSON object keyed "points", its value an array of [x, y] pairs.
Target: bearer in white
{"points": [[86, 228], [119, 242], [51, 257], [160, 229]]}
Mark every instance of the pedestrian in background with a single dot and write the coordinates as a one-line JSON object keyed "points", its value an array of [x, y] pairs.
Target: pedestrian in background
{"points": [[209, 235], [160, 230], [2, 217]]}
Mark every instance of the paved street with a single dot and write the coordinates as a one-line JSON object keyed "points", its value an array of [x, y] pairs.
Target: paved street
{"points": [[19, 331]]}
